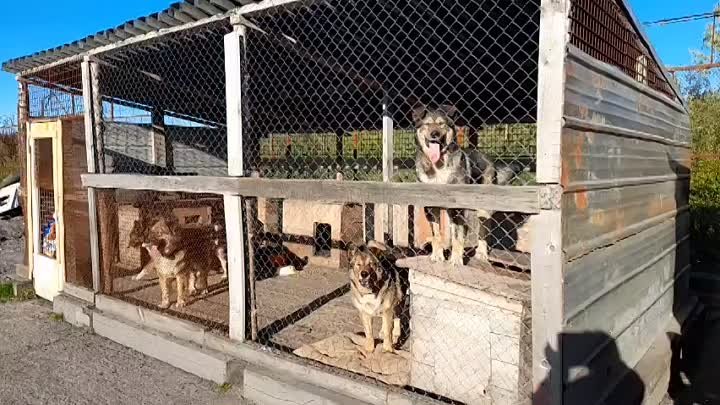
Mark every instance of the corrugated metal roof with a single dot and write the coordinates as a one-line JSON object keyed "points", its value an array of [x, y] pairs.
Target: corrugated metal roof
{"points": [[187, 11]]}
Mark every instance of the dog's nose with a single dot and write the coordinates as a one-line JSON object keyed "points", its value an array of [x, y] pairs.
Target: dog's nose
{"points": [[364, 274], [435, 134]]}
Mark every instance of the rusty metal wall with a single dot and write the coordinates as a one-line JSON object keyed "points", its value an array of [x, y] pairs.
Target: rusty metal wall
{"points": [[626, 160]]}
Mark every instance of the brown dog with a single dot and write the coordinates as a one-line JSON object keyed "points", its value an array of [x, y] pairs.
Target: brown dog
{"points": [[202, 249], [376, 292]]}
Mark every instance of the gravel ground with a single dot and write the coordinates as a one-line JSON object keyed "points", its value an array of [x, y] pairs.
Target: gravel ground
{"points": [[12, 244], [47, 361]]}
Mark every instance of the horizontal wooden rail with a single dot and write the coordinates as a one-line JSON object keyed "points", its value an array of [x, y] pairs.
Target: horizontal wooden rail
{"points": [[523, 199]]}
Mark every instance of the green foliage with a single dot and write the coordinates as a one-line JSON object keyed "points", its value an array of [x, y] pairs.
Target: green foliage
{"points": [[9, 163], [705, 184]]}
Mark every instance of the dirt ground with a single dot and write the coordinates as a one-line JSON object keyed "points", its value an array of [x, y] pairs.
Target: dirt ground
{"points": [[12, 243], [47, 361]]}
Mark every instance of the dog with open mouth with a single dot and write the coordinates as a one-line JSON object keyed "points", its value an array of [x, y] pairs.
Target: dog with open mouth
{"points": [[440, 160]]}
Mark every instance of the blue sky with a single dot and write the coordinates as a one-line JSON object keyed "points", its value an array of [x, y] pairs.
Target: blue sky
{"points": [[54, 22]]}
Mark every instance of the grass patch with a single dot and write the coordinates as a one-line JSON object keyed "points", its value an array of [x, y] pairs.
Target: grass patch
{"points": [[56, 317], [6, 292], [224, 388]]}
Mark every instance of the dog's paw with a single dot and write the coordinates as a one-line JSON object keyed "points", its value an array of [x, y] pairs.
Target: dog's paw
{"points": [[456, 260], [180, 304], [165, 305], [437, 257], [388, 348], [369, 347]]}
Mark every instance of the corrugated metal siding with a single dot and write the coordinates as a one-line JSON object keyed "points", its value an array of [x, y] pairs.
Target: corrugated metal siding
{"points": [[626, 159]]}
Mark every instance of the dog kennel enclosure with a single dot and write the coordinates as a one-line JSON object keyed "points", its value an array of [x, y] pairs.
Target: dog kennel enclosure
{"points": [[280, 134]]}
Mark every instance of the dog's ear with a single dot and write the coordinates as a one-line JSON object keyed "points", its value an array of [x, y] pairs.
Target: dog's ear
{"points": [[418, 113], [449, 110]]}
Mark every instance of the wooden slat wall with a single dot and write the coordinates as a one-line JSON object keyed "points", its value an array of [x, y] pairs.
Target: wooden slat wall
{"points": [[626, 159], [78, 267]]}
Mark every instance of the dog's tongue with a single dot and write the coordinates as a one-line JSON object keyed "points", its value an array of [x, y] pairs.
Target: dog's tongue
{"points": [[434, 152]]}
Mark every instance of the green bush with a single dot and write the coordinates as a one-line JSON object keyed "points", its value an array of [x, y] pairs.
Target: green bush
{"points": [[705, 184]]}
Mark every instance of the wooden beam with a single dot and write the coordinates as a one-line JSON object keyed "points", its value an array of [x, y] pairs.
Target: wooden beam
{"points": [[388, 154], [91, 167], [234, 46], [554, 29], [23, 118], [547, 249], [97, 118], [522, 199]]}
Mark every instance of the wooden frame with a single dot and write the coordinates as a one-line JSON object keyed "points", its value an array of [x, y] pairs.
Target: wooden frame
{"points": [[547, 248], [87, 69], [237, 276], [52, 131], [521, 199]]}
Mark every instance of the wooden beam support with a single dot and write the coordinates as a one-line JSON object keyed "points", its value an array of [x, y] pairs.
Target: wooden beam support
{"points": [[522, 199], [547, 250], [234, 46], [90, 153]]}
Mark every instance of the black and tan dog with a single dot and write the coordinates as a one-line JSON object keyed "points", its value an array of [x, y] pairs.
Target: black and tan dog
{"points": [[376, 291], [440, 160], [202, 249]]}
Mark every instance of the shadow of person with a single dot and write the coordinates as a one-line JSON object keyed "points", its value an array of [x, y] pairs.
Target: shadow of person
{"points": [[591, 372]]}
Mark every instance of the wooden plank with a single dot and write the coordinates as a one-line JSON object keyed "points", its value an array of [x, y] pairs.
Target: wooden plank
{"points": [[236, 266], [597, 273], [97, 111], [90, 155], [234, 45], [522, 199], [554, 28], [619, 76], [547, 309], [612, 358], [602, 217], [388, 154], [107, 221], [23, 118], [59, 197], [595, 160], [234, 42]]}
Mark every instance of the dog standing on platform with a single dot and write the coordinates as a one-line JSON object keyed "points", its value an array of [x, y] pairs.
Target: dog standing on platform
{"points": [[440, 160]]}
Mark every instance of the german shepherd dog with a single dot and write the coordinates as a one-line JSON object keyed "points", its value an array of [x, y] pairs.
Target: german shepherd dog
{"points": [[440, 160], [168, 268], [201, 248], [376, 291]]}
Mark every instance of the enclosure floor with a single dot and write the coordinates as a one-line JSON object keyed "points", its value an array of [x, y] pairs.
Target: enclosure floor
{"points": [[211, 310], [292, 311], [306, 307]]}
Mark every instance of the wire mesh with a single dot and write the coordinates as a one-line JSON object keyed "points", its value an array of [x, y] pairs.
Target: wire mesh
{"points": [[163, 105], [313, 276], [55, 92], [602, 29], [167, 252], [321, 77]]}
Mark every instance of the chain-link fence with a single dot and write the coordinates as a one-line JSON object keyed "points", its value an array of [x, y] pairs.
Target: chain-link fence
{"points": [[167, 252], [163, 105]]}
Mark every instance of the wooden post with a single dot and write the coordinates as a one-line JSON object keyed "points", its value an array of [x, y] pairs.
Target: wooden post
{"points": [[547, 250], [234, 47], [388, 155], [159, 141], [90, 154], [97, 111], [23, 118], [251, 223]]}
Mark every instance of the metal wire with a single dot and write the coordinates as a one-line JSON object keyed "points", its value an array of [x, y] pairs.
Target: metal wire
{"points": [[602, 29]]}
